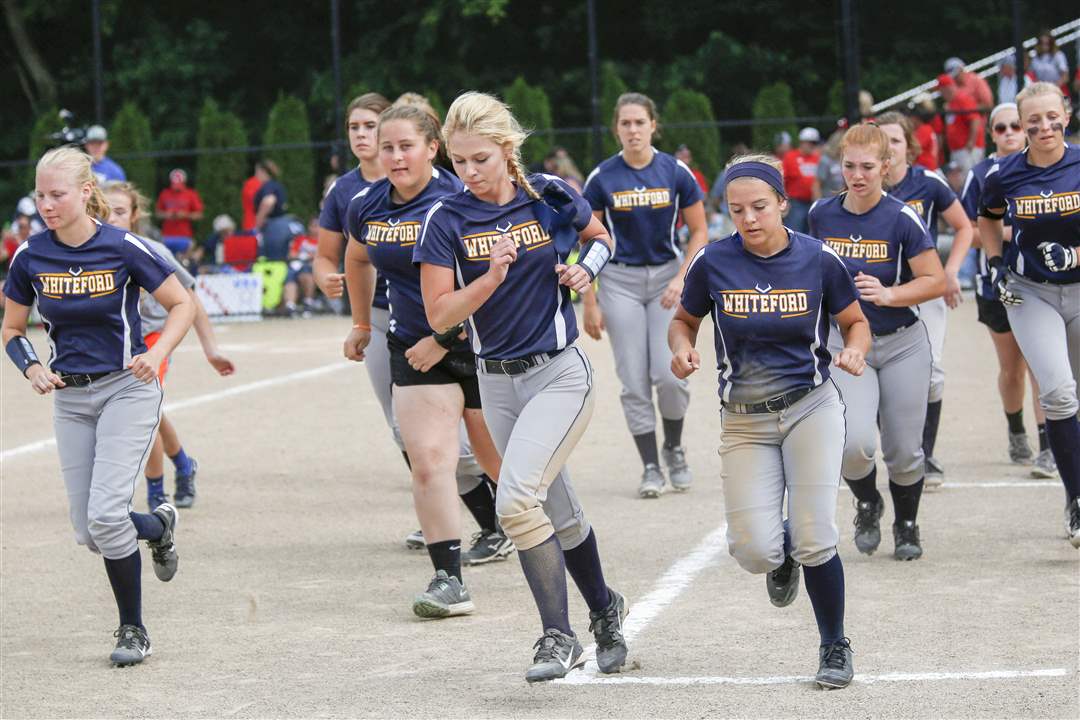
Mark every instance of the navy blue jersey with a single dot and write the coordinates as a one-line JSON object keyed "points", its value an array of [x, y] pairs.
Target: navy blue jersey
{"points": [[530, 312], [771, 314], [272, 187], [333, 217], [970, 197], [1044, 204], [642, 206], [879, 243], [927, 193], [88, 296], [389, 231]]}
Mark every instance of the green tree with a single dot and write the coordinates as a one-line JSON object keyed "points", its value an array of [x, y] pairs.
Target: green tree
{"points": [[130, 133], [46, 124], [689, 106], [772, 102], [532, 108], [288, 124], [835, 103], [219, 175], [611, 87]]}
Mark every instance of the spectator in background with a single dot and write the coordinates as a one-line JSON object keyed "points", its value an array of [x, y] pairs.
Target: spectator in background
{"points": [[964, 125], [567, 169], [97, 144], [211, 250], [971, 83], [1048, 64], [1008, 80], [264, 170], [955, 174], [299, 280], [27, 207], [923, 114], [829, 180], [800, 171], [781, 144], [683, 153], [177, 206], [270, 200]]}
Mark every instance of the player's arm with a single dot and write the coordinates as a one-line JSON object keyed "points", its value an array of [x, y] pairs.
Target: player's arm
{"points": [[21, 352], [927, 283], [962, 239], [694, 217], [597, 248], [266, 206], [176, 300], [856, 333], [360, 283], [205, 330], [592, 318], [327, 261], [682, 339]]}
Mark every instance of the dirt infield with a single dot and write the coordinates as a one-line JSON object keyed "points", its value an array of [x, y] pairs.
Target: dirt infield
{"points": [[293, 596]]}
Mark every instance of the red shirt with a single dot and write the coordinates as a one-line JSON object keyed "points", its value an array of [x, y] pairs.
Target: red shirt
{"points": [[799, 173], [977, 87], [247, 201], [303, 247], [958, 129], [184, 200], [927, 138]]}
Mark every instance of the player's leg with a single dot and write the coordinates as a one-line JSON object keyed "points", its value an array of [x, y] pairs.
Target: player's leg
{"points": [[813, 452], [622, 299], [1011, 377], [934, 315], [904, 375], [1044, 466], [479, 461], [75, 423], [377, 364], [185, 467], [672, 394]]}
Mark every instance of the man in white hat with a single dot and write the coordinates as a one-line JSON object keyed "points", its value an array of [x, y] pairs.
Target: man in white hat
{"points": [[97, 144], [800, 169]]}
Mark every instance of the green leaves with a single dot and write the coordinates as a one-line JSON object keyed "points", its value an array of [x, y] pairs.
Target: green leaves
{"points": [[288, 124], [218, 176]]}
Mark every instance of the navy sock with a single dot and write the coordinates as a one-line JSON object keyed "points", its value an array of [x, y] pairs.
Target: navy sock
{"points": [[148, 526], [155, 486], [125, 576], [583, 564], [646, 447], [906, 500], [181, 462], [672, 433], [1044, 441], [1016, 421], [1064, 437], [545, 571], [446, 555], [929, 433], [865, 489], [481, 503], [825, 586]]}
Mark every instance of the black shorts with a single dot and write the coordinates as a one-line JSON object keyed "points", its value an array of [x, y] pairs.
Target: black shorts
{"points": [[992, 314], [458, 367]]}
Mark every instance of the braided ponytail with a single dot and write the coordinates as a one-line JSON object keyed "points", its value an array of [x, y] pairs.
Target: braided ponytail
{"points": [[484, 115], [517, 172]]}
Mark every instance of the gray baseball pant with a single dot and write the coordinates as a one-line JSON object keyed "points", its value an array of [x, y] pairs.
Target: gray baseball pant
{"points": [[377, 362], [1047, 321], [892, 390], [629, 298], [535, 420], [103, 435], [934, 314], [797, 450]]}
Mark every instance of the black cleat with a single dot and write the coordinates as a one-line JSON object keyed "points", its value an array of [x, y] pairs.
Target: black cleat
{"points": [[835, 669], [783, 583], [607, 628], [132, 645], [184, 497], [906, 538], [867, 525]]}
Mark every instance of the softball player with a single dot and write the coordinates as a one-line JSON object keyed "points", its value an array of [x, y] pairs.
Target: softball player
{"points": [[493, 257], [434, 377], [638, 194], [1008, 137], [783, 420], [85, 277], [1039, 279], [886, 247], [474, 487], [125, 208], [930, 196]]}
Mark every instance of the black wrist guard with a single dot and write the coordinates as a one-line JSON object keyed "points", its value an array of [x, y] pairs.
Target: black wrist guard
{"points": [[447, 339], [22, 353], [594, 256]]}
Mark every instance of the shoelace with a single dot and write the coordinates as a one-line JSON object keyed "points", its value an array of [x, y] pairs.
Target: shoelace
{"points": [[128, 637], [835, 658], [864, 514], [678, 458], [608, 624], [548, 646]]}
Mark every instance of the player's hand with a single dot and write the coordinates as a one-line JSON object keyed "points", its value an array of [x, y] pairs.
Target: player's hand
{"points": [[871, 290], [42, 380], [953, 294], [503, 253], [685, 362], [332, 284], [355, 343], [594, 321], [850, 360], [144, 367], [672, 293], [1059, 258], [425, 354], [222, 364], [999, 281], [574, 277]]}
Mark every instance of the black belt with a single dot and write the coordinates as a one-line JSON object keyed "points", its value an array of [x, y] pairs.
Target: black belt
{"points": [[80, 379], [895, 330], [772, 405], [516, 366]]}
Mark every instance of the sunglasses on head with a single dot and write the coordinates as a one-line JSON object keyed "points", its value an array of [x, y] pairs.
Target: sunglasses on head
{"points": [[1002, 127]]}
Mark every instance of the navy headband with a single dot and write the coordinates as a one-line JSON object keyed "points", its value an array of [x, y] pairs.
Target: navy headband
{"points": [[762, 171]]}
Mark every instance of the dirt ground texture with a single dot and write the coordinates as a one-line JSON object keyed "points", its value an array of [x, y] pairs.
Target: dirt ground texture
{"points": [[294, 591]]}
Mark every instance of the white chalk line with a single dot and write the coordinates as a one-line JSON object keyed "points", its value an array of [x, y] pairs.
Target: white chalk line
{"points": [[864, 679], [203, 400]]}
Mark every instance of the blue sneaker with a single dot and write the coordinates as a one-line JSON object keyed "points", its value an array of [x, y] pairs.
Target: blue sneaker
{"points": [[153, 500]]}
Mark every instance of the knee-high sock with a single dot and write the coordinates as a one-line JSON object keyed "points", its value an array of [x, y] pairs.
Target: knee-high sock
{"points": [[545, 570], [1064, 437], [583, 564], [125, 576], [825, 586]]}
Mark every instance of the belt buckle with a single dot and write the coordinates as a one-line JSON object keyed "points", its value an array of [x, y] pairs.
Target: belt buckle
{"points": [[510, 367], [780, 399]]}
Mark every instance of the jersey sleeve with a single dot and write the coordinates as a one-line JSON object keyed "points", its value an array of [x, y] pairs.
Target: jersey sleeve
{"points": [[19, 284], [330, 215], [695, 295], [992, 202], [594, 192], [837, 287], [145, 266], [969, 196], [582, 208], [912, 233], [811, 220], [943, 195], [686, 185], [436, 243], [352, 218]]}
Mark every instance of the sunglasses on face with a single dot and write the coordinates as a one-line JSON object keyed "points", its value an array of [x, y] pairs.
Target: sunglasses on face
{"points": [[1002, 127]]}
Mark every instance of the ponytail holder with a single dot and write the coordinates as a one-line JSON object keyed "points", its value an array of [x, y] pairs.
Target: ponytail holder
{"points": [[762, 171]]}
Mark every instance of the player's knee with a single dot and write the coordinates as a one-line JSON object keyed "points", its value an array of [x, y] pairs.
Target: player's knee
{"points": [[573, 535], [527, 528], [112, 533], [757, 554], [812, 556], [1060, 402], [859, 451], [909, 472]]}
